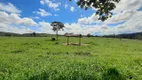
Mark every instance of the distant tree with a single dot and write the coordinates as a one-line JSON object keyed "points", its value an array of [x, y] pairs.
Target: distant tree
{"points": [[89, 35], [57, 26], [120, 37], [138, 37], [114, 36], [34, 34], [8, 34], [103, 7]]}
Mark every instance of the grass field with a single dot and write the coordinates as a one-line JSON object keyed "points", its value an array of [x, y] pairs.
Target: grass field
{"points": [[39, 58]]}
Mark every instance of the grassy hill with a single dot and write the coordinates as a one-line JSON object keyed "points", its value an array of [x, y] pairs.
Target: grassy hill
{"points": [[137, 35], [39, 58], [9, 34]]}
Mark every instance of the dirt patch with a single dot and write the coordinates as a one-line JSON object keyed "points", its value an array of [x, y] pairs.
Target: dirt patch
{"points": [[75, 44]]}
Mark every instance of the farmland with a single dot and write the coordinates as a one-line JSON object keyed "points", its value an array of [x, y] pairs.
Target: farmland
{"points": [[39, 58]]}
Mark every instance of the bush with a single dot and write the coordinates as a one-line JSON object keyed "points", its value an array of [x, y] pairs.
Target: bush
{"points": [[53, 39]]}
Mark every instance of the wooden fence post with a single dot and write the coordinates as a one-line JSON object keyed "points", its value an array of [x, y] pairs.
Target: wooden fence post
{"points": [[68, 40], [80, 39]]}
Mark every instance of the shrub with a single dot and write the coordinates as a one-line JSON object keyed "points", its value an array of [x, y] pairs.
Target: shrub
{"points": [[53, 39]]}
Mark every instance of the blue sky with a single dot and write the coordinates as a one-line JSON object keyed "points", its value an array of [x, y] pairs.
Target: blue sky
{"points": [[22, 16], [64, 15]]}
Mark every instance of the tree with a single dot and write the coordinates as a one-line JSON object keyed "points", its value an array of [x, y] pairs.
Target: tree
{"points": [[34, 34], [103, 7], [57, 26], [138, 37], [89, 35]]}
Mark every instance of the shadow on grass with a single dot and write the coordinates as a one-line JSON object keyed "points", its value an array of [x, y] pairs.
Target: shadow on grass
{"points": [[33, 43], [55, 76], [110, 74], [43, 76], [82, 53], [92, 43], [18, 51], [113, 74]]}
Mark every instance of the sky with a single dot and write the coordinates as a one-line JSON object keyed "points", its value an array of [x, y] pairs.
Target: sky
{"points": [[26, 16]]}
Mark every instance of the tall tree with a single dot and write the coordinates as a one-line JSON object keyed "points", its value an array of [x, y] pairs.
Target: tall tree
{"points": [[103, 7], [34, 34], [57, 26]]}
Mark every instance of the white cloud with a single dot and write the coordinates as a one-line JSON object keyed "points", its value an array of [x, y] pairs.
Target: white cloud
{"points": [[125, 10], [9, 8], [77, 28], [133, 24], [128, 5], [56, 15], [66, 6], [72, 9], [81, 15], [89, 20], [13, 18], [76, 0], [42, 2], [121, 17], [36, 17], [2, 25], [15, 29], [130, 26], [83, 20], [45, 27], [11, 21], [43, 13], [51, 4]]}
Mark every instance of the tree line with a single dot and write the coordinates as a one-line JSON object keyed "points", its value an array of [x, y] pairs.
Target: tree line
{"points": [[137, 35]]}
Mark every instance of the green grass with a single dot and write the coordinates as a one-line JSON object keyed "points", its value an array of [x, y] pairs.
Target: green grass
{"points": [[39, 58]]}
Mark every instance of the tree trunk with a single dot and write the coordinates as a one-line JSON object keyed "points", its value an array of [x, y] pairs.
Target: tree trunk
{"points": [[57, 35], [80, 41], [68, 40]]}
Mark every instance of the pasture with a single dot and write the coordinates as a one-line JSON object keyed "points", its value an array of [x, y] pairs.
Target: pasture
{"points": [[39, 58]]}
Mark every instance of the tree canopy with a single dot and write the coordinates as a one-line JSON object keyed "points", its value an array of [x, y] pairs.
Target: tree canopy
{"points": [[57, 25], [103, 7]]}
